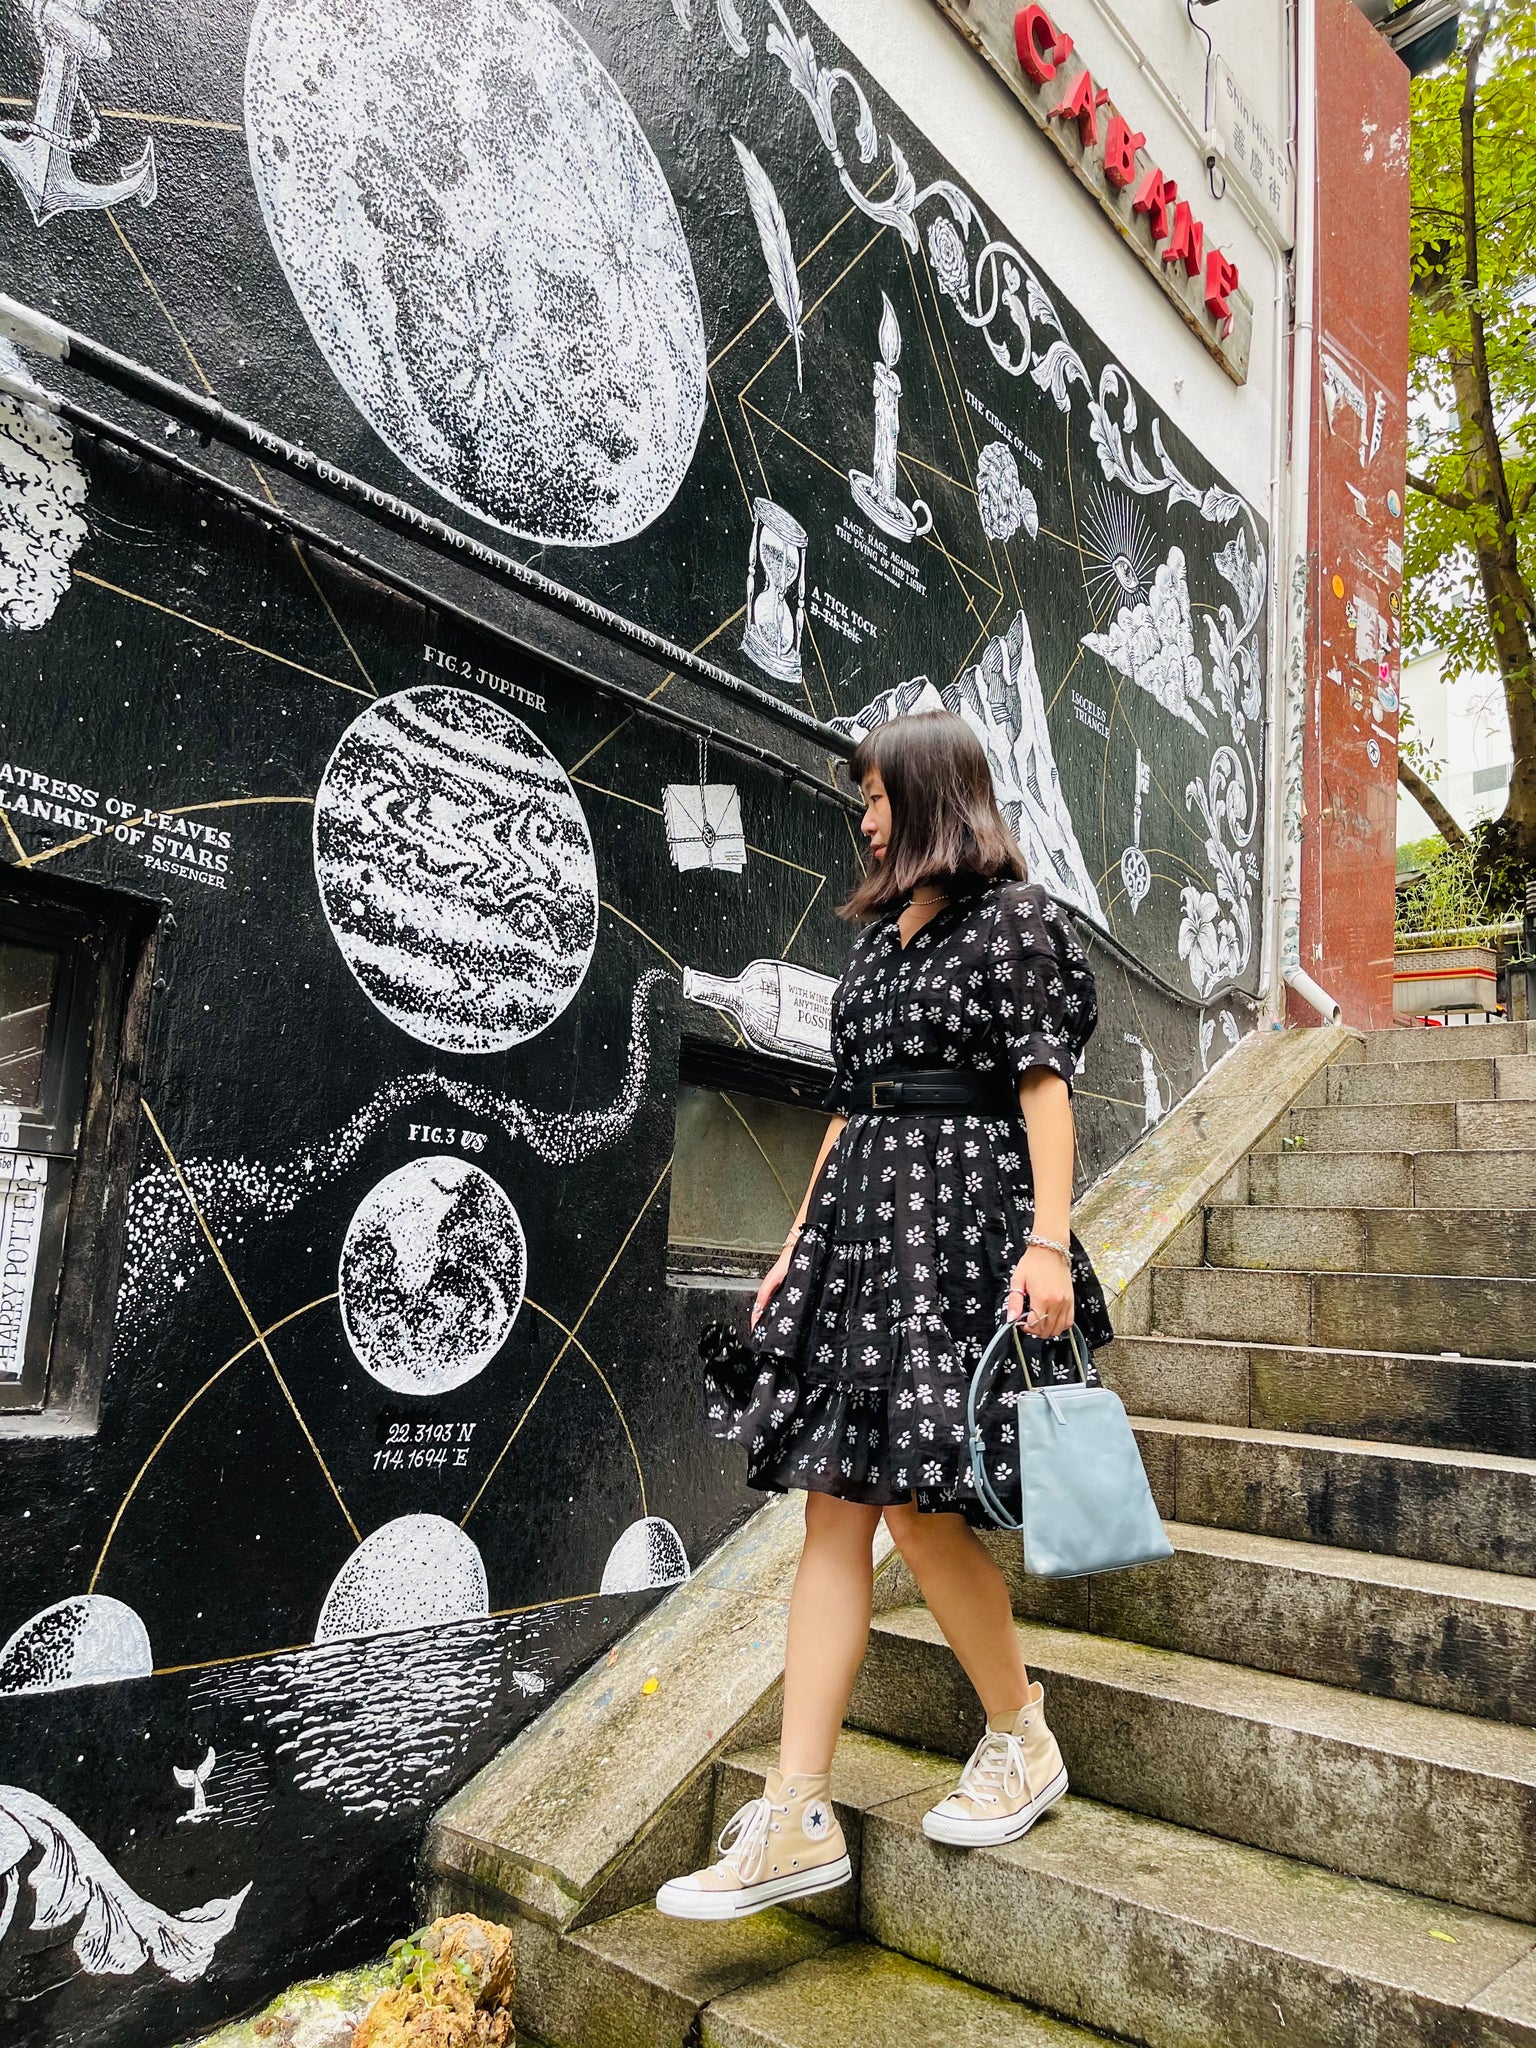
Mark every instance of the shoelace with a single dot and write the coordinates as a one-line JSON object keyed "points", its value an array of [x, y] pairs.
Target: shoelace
{"points": [[743, 1840], [996, 1769]]}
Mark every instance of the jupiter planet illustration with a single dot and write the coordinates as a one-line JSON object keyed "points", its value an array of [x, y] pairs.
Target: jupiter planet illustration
{"points": [[455, 869]]}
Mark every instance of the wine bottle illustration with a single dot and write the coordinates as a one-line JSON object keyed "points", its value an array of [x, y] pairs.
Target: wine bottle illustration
{"points": [[781, 1008]]}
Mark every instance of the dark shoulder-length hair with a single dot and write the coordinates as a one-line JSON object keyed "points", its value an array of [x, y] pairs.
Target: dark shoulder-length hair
{"points": [[945, 824]]}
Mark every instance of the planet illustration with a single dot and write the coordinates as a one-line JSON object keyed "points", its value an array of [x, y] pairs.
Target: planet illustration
{"points": [[455, 869], [417, 1571], [650, 1553], [486, 251], [431, 1278], [89, 1639]]}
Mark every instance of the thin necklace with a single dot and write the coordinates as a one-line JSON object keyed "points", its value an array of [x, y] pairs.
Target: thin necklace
{"points": [[922, 902]]}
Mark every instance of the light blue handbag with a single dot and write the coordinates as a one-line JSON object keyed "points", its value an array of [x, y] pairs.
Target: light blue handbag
{"points": [[1085, 1502]]}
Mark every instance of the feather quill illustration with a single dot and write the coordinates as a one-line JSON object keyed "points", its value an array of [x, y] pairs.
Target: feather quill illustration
{"points": [[773, 232]]}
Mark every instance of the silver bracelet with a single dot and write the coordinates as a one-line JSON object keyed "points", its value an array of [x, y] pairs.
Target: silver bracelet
{"points": [[1051, 1245]]}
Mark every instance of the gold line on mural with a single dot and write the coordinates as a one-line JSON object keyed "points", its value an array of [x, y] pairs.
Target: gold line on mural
{"points": [[550, 1317], [730, 1104], [218, 632], [575, 1328], [223, 803], [181, 1415], [217, 1250]]}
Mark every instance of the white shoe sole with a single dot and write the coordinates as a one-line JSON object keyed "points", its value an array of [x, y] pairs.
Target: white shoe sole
{"points": [[683, 1902], [991, 1834]]}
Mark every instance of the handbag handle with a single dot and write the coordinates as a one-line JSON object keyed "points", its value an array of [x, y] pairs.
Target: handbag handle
{"points": [[1007, 1334]]}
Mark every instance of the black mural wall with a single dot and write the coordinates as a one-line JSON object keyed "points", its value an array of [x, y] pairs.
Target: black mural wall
{"points": [[400, 1425]]}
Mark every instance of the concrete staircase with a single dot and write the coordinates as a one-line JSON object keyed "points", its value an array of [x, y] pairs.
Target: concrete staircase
{"points": [[1303, 1753]]}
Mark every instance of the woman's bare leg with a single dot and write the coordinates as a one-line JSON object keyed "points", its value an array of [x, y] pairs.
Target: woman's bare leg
{"points": [[969, 1600], [828, 1629]]}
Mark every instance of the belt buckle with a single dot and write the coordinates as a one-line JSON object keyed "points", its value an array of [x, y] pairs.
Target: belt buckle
{"points": [[877, 1100]]}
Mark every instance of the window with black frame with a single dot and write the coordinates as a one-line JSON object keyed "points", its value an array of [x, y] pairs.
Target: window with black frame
{"points": [[71, 961], [749, 1127]]}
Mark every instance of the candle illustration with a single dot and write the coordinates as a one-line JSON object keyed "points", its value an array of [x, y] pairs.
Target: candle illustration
{"points": [[876, 495]]}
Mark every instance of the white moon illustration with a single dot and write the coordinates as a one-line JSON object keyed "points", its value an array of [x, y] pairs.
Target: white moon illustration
{"points": [[650, 1553], [486, 251], [89, 1639], [418, 1571], [455, 869], [431, 1275]]}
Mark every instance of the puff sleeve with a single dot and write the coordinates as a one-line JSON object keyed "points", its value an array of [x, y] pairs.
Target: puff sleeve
{"points": [[1041, 986]]}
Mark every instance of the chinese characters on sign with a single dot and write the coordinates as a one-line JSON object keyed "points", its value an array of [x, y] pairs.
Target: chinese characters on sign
{"points": [[1254, 154]]}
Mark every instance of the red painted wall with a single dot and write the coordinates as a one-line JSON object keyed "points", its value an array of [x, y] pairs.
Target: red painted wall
{"points": [[1358, 461]]}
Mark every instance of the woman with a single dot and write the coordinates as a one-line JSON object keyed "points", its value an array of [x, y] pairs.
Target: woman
{"points": [[931, 1213]]}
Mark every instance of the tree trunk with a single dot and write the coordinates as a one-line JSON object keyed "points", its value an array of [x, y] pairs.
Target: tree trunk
{"points": [[1508, 597], [1424, 796]]}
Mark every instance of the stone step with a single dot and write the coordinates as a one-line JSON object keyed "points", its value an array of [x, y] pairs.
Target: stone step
{"points": [[1393, 1311], [1176, 1939], [1414, 1127], [1389, 1180], [1441, 1635], [1472, 1404], [1459, 1042], [639, 1981], [860, 1996], [1465, 1080], [1450, 1507], [1370, 1787], [1491, 1243]]}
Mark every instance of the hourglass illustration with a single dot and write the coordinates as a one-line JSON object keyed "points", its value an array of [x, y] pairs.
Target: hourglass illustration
{"points": [[876, 495], [775, 591]]}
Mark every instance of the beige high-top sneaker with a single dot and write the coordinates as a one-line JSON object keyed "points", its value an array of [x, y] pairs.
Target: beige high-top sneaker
{"points": [[785, 1845], [1014, 1774]]}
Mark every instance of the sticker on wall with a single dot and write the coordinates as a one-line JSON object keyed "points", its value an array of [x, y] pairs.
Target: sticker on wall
{"points": [[455, 869], [648, 1555], [119, 1932], [1002, 498], [1394, 505], [431, 1276], [486, 252], [88, 1639], [418, 1571], [40, 152], [775, 591], [877, 491], [778, 254], [1153, 645], [42, 488], [1341, 391]]}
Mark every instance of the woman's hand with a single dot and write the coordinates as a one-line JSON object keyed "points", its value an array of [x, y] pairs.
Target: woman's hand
{"points": [[1043, 1280], [773, 1280]]}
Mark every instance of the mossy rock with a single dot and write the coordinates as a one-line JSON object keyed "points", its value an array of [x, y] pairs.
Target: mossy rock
{"points": [[323, 2013]]}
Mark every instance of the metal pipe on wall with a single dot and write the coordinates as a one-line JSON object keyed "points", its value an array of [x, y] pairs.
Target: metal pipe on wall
{"points": [[1303, 344], [44, 336]]}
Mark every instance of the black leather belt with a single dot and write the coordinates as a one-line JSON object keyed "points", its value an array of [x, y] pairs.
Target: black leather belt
{"points": [[906, 1089]]}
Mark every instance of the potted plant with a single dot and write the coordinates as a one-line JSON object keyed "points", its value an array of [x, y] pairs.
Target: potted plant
{"points": [[1447, 939]]}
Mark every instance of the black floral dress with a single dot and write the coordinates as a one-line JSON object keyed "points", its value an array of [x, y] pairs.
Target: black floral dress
{"points": [[917, 1221]]}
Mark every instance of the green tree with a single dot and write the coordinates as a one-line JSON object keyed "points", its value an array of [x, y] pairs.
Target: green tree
{"points": [[1471, 525]]}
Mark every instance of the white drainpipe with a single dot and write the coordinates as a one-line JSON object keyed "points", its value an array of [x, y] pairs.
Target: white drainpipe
{"points": [[1293, 730]]}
